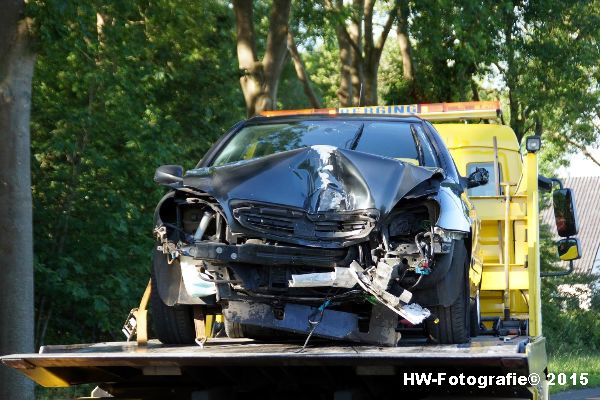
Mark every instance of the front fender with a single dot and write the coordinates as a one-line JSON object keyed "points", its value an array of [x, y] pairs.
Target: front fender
{"points": [[159, 211], [168, 278], [454, 214]]}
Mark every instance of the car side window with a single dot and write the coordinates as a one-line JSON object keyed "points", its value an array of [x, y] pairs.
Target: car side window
{"points": [[489, 189], [444, 157], [389, 139]]}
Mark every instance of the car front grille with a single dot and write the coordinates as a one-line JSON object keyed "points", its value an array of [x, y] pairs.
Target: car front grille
{"points": [[291, 222]]}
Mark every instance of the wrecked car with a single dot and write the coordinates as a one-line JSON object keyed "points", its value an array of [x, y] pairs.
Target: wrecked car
{"points": [[344, 227]]}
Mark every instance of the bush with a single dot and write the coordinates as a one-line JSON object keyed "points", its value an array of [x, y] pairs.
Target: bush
{"points": [[567, 327]]}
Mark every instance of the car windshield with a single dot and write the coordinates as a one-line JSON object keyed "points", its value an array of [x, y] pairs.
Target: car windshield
{"points": [[389, 139]]}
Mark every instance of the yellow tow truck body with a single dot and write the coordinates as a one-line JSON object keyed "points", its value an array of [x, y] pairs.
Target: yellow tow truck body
{"points": [[507, 233], [508, 221]]}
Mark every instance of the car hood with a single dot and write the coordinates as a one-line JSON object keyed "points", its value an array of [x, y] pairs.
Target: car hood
{"points": [[315, 179]]}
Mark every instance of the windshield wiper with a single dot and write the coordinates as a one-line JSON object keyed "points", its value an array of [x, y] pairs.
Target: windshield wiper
{"points": [[357, 137]]}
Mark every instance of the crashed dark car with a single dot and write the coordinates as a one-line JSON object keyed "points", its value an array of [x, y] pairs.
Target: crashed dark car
{"points": [[346, 227]]}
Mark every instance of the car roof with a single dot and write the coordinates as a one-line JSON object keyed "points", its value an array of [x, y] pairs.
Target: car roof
{"points": [[325, 117]]}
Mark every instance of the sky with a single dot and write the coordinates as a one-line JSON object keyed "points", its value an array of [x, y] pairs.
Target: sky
{"points": [[581, 165]]}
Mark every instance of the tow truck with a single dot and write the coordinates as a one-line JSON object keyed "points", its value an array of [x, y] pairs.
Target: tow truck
{"points": [[506, 356]]}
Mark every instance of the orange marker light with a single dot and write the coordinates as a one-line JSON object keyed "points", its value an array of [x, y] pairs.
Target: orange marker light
{"points": [[303, 111], [433, 112]]}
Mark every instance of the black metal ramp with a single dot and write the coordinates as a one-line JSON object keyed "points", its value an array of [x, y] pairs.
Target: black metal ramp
{"points": [[247, 366]]}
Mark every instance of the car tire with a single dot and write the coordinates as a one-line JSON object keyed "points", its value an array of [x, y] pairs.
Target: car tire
{"points": [[453, 322], [233, 330], [172, 324], [236, 330], [474, 315]]}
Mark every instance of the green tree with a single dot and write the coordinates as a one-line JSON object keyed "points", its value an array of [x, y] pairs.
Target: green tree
{"points": [[550, 55], [120, 88], [541, 57], [447, 44], [359, 47]]}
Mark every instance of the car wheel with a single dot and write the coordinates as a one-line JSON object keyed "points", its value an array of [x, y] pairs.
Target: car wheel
{"points": [[172, 324], [233, 330], [237, 330], [453, 322]]}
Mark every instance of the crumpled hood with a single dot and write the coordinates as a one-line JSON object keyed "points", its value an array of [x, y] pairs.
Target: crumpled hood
{"points": [[315, 179]]}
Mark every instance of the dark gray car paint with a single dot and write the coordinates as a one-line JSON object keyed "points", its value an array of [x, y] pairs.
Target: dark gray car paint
{"points": [[295, 179]]}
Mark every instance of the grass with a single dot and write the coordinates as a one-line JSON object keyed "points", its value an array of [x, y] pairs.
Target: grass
{"points": [[70, 393], [574, 363]]}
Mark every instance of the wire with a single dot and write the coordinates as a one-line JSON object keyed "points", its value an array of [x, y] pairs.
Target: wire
{"points": [[314, 323], [416, 283], [175, 227]]}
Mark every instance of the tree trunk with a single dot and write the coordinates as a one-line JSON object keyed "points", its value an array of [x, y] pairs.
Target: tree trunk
{"points": [[276, 50], [251, 80], [474, 90], [370, 83], [357, 78], [260, 79], [301, 72], [345, 54], [408, 66], [16, 247], [371, 61], [356, 50], [359, 52], [408, 70], [373, 50]]}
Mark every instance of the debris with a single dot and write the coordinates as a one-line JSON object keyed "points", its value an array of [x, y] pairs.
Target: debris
{"points": [[340, 277], [413, 313]]}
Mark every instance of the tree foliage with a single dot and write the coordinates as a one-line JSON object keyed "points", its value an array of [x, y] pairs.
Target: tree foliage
{"points": [[540, 57], [122, 87]]}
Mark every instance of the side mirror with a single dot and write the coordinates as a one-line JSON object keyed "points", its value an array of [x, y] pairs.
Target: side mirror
{"points": [[479, 177], [568, 249], [565, 213], [169, 175]]}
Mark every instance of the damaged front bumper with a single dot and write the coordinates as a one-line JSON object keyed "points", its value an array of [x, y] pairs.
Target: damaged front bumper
{"points": [[228, 270], [204, 267], [266, 254], [339, 325]]}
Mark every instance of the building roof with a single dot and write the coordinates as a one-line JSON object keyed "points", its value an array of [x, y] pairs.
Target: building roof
{"points": [[586, 189]]}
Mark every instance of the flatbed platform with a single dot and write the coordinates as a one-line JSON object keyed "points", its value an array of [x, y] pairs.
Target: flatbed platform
{"points": [[244, 365]]}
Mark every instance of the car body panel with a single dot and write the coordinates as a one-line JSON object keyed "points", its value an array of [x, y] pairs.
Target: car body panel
{"points": [[300, 178]]}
